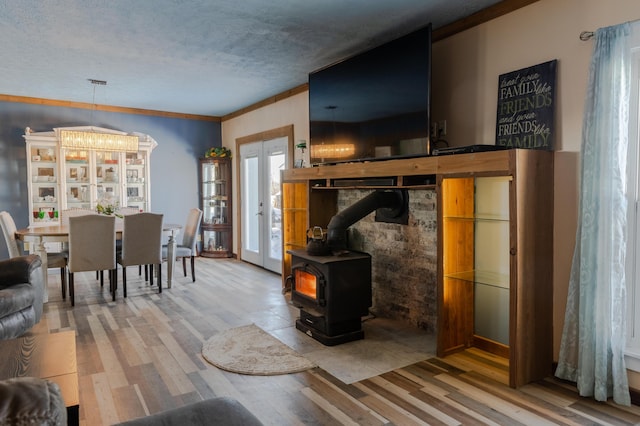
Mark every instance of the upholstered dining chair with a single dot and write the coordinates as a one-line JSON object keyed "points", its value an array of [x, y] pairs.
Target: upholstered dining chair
{"points": [[141, 245], [126, 211], [92, 247], [189, 239], [73, 212], [54, 260], [64, 220]]}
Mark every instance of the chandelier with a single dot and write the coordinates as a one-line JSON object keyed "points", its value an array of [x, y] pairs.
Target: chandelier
{"points": [[98, 141], [92, 140]]}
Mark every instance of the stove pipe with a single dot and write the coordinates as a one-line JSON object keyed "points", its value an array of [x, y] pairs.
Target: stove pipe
{"points": [[391, 199]]}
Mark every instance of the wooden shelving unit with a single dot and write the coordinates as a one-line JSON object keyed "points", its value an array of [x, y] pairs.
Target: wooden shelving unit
{"points": [[309, 199]]}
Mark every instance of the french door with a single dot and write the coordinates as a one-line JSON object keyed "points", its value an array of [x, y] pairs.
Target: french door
{"points": [[261, 215]]}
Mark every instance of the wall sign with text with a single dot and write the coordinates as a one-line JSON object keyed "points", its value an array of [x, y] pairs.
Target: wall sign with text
{"points": [[526, 101]]}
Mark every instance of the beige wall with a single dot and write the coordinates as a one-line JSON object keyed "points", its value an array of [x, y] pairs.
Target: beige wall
{"points": [[291, 111], [465, 77]]}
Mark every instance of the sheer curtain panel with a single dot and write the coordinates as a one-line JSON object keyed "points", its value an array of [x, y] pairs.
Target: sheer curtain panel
{"points": [[593, 339]]}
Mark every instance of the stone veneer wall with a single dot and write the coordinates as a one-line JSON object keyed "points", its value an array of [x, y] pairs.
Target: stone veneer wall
{"points": [[403, 257]]}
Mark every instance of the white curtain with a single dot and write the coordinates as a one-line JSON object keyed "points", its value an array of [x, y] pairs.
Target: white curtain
{"points": [[593, 339]]}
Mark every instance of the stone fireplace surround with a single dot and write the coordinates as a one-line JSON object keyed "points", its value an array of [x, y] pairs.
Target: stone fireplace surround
{"points": [[404, 258]]}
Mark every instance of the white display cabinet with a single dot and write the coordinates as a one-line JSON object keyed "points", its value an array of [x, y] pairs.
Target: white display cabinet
{"points": [[62, 178]]}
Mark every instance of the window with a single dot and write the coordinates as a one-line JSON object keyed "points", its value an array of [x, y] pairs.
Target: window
{"points": [[632, 353]]}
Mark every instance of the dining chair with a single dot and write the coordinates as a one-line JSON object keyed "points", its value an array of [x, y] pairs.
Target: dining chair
{"points": [[126, 211], [64, 220], [92, 247], [189, 239], [73, 212], [141, 245], [54, 260]]}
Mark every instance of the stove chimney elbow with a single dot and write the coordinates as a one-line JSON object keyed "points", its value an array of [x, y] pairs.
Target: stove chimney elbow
{"points": [[337, 229]]}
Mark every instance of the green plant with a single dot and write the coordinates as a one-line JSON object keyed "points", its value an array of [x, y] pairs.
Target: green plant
{"points": [[107, 205], [218, 152]]}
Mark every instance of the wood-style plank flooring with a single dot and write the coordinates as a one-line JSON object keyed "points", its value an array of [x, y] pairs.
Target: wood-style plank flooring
{"points": [[142, 355]]}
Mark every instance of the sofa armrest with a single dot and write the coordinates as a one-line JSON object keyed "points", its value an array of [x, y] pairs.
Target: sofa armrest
{"points": [[29, 400], [18, 270]]}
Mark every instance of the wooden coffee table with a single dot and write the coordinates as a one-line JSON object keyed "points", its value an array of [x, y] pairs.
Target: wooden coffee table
{"points": [[47, 356]]}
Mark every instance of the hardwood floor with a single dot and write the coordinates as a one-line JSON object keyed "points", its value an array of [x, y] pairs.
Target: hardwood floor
{"points": [[142, 355]]}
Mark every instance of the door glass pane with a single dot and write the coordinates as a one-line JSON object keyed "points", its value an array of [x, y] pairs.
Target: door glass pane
{"points": [[276, 163], [252, 205]]}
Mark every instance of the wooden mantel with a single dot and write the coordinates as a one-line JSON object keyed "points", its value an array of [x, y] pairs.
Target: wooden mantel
{"points": [[481, 162]]}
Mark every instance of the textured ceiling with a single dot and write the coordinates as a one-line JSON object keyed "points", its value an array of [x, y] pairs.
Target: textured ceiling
{"points": [[207, 57]]}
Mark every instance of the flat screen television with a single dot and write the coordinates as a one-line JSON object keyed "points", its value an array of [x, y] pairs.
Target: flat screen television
{"points": [[374, 105]]}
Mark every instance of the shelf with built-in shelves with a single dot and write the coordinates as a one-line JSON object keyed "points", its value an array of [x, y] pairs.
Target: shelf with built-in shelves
{"points": [[491, 278], [522, 283]]}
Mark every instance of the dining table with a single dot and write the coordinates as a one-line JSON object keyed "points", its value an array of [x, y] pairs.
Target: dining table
{"points": [[37, 238]]}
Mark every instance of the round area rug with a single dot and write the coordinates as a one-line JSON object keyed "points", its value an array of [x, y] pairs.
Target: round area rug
{"points": [[251, 350]]}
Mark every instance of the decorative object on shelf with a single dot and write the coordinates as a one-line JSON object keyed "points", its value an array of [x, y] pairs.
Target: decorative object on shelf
{"points": [[218, 152], [301, 145], [107, 206]]}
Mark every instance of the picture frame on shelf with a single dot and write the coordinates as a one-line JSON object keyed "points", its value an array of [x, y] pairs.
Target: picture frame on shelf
{"points": [[74, 191], [46, 171], [46, 191], [46, 154]]}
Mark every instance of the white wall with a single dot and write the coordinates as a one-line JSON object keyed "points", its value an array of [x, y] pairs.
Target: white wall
{"points": [[466, 67]]}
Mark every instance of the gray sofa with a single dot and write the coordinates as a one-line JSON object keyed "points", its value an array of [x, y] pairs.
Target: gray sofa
{"points": [[216, 411], [21, 295]]}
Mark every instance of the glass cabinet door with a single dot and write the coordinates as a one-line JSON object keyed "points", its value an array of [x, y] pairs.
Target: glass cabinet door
{"points": [[77, 179], [136, 180], [492, 259], [216, 241], [107, 178], [45, 184], [214, 192]]}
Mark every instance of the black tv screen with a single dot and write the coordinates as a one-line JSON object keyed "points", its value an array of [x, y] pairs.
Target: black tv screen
{"points": [[375, 105]]}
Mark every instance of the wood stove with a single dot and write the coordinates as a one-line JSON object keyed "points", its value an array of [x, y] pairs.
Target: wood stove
{"points": [[333, 292]]}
